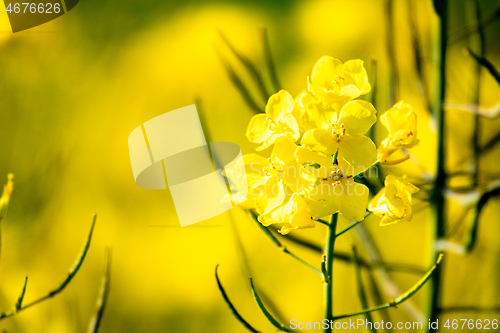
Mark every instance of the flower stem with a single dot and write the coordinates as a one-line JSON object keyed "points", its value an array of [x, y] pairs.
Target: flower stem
{"points": [[438, 201], [330, 244]]}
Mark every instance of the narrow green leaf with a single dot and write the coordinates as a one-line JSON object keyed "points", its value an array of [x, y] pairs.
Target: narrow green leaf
{"points": [[269, 60], [19, 302], [231, 306], [262, 308], [250, 67], [244, 92]]}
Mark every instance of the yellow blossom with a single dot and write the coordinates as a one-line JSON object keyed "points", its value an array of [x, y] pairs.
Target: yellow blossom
{"points": [[278, 121], [335, 82], [336, 190], [401, 122], [343, 131], [393, 202]]}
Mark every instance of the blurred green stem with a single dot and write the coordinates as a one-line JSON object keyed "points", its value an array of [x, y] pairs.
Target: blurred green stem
{"points": [[438, 200], [330, 245]]}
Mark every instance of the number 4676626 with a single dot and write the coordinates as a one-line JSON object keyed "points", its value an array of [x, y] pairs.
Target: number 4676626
{"points": [[471, 324], [26, 7]]}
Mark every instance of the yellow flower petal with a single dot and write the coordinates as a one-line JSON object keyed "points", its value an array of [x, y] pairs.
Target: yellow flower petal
{"points": [[290, 122], [393, 202], [336, 83], [320, 140], [271, 195], [358, 117], [359, 152], [355, 74], [297, 215], [325, 199], [354, 200], [316, 163], [325, 71], [284, 150], [257, 131], [279, 105]]}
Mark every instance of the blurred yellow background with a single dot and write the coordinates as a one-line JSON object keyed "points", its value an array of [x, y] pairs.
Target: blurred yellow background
{"points": [[73, 89]]}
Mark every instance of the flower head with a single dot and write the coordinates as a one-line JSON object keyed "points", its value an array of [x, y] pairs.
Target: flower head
{"points": [[336, 190], [343, 132], [335, 82], [278, 121], [393, 202], [401, 122]]}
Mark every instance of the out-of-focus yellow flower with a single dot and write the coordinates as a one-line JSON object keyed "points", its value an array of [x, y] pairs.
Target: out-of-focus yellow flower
{"points": [[393, 202], [294, 214], [401, 122], [8, 190], [343, 132], [335, 82], [336, 190], [278, 121]]}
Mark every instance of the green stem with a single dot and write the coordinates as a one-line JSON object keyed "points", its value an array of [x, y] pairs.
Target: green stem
{"points": [[330, 244], [438, 200], [353, 224]]}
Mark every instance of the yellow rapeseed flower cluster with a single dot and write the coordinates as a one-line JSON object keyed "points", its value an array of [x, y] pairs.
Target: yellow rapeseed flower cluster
{"points": [[318, 146]]}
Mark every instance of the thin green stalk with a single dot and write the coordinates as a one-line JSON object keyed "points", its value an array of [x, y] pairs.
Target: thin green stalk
{"points": [[353, 224], [71, 274], [329, 254], [401, 299], [268, 315], [486, 64], [230, 305], [438, 199], [360, 287], [19, 303]]}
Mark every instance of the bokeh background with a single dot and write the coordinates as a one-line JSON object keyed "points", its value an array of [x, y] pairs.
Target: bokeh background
{"points": [[73, 89]]}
